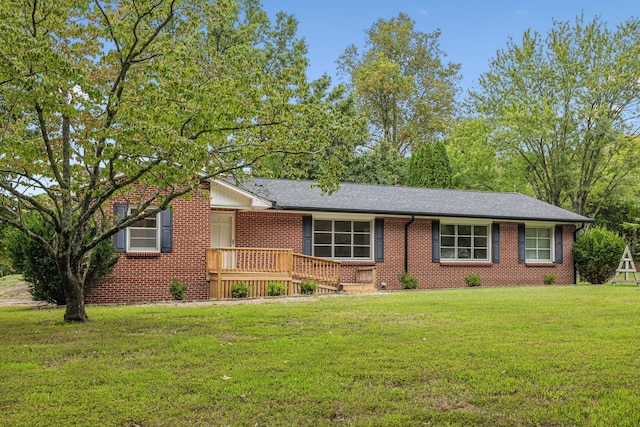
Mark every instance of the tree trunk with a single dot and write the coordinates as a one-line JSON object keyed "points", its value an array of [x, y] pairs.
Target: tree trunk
{"points": [[74, 292]]}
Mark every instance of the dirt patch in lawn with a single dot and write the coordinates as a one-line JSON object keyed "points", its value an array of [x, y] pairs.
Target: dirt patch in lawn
{"points": [[14, 289]]}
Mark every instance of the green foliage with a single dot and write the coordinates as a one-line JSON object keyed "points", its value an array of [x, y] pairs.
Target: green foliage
{"points": [[475, 160], [473, 280], [429, 166], [401, 83], [276, 289], [100, 98], [408, 281], [6, 267], [342, 141], [177, 289], [308, 287], [565, 104], [380, 165], [35, 264], [549, 279], [39, 268], [240, 290], [597, 253]]}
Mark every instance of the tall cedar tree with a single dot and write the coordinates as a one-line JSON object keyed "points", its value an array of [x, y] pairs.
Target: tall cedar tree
{"points": [[429, 166]]}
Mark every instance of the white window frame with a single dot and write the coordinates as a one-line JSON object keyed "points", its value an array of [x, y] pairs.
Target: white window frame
{"points": [[332, 245], [471, 224], [130, 248], [537, 239]]}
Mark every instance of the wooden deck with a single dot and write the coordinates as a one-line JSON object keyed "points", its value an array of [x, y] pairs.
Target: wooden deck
{"points": [[257, 267]]}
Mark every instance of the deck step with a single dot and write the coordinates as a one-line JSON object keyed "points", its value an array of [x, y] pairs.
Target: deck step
{"points": [[358, 288]]}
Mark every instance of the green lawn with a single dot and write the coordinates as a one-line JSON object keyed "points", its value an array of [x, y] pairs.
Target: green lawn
{"points": [[549, 356]]}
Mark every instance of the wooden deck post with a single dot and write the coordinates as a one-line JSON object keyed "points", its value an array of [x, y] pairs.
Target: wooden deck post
{"points": [[219, 273]]}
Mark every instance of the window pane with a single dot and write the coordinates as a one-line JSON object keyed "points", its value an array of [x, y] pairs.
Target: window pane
{"points": [[146, 222], [544, 243], [143, 233], [361, 226], [342, 239], [464, 253], [480, 242], [361, 239], [343, 252], [448, 241], [480, 254], [531, 243], [142, 243], [464, 242], [322, 238], [322, 225], [531, 232], [464, 230], [480, 230], [361, 251], [544, 232], [342, 226], [322, 251], [447, 230], [544, 255], [447, 253], [531, 254]]}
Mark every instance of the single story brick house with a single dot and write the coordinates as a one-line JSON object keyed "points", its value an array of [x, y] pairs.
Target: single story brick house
{"points": [[440, 236]]}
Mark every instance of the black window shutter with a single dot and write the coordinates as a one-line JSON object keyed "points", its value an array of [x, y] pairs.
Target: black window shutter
{"points": [[559, 244], [307, 225], [166, 231], [495, 243], [379, 240], [435, 241], [120, 238], [521, 244]]}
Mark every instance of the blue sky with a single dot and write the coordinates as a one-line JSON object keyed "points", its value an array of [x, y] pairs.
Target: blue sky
{"points": [[472, 31]]}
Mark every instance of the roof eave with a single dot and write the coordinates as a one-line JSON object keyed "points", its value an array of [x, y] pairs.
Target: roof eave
{"points": [[431, 214]]}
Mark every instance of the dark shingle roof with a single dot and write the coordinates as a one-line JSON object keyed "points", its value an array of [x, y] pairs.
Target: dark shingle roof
{"points": [[391, 200]]}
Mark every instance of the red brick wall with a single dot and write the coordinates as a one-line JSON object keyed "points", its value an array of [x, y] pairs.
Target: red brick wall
{"points": [[284, 230], [138, 278], [147, 278], [451, 275], [269, 229]]}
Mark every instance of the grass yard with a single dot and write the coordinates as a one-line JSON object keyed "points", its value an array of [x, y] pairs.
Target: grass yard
{"points": [[549, 356]]}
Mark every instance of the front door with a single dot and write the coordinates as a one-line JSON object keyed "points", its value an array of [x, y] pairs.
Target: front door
{"points": [[222, 235]]}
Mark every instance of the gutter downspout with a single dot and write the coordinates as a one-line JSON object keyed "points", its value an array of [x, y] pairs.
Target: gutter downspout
{"points": [[406, 243], [575, 270]]}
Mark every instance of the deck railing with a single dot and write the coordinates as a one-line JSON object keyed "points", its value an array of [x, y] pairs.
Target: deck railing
{"points": [[318, 269], [259, 266]]}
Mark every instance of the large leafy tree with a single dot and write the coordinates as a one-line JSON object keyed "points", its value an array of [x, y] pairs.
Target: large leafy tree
{"points": [[401, 83], [141, 99], [567, 104], [476, 161], [348, 132]]}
